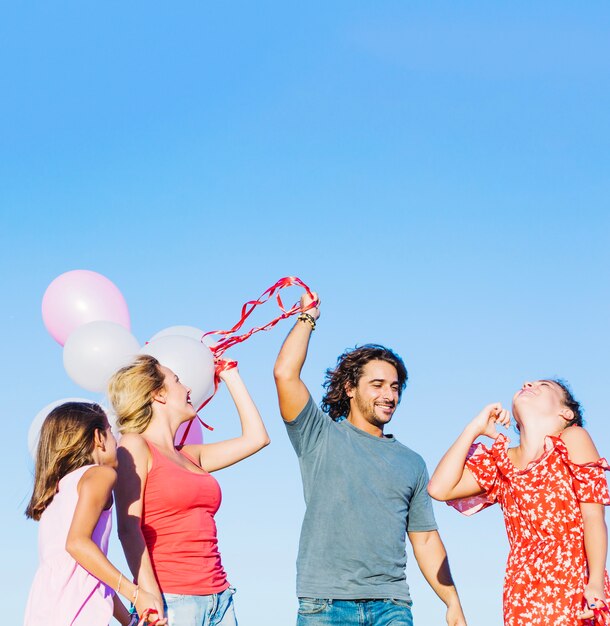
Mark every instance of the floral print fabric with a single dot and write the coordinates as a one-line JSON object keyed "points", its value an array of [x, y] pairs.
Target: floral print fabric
{"points": [[547, 569]]}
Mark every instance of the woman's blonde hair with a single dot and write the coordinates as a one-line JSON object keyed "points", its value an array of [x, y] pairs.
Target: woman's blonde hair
{"points": [[67, 440], [131, 392]]}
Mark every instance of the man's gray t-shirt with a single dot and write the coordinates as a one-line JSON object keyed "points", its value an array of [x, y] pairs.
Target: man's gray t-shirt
{"points": [[362, 494]]}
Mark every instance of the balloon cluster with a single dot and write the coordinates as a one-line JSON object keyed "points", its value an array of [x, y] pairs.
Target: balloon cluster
{"points": [[86, 314]]}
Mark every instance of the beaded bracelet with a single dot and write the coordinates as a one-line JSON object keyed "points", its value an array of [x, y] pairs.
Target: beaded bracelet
{"points": [[306, 317]]}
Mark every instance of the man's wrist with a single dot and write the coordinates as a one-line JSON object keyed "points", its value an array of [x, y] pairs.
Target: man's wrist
{"points": [[453, 602], [307, 318]]}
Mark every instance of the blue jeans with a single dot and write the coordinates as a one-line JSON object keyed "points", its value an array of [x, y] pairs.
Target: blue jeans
{"points": [[323, 612], [213, 610]]}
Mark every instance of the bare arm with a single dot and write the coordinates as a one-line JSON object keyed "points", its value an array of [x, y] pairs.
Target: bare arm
{"points": [[452, 479], [582, 450], [94, 495], [291, 390], [432, 560], [596, 549], [119, 612], [134, 458], [216, 456]]}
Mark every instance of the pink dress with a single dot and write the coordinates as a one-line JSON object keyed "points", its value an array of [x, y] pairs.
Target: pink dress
{"points": [[63, 593], [547, 566]]}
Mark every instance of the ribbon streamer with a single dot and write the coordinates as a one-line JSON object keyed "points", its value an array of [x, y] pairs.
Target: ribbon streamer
{"points": [[601, 613], [229, 338], [146, 617]]}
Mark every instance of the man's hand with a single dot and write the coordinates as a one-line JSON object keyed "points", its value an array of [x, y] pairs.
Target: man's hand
{"points": [[306, 303], [455, 615]]}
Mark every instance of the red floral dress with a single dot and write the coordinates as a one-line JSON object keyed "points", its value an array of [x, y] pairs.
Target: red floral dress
{"points": [[547, 566]]}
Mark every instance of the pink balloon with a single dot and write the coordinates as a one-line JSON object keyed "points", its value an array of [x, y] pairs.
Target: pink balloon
{"points": [[79, 297], [195, 434]]}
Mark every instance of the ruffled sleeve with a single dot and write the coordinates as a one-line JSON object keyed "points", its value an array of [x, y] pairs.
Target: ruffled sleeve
{"points": [[589, 481], [482, 464]]}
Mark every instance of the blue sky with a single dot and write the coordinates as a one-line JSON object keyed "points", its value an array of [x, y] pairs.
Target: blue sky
{"points": [[439, 173]]}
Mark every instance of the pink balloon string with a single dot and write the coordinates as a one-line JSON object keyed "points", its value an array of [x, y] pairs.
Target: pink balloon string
{"points": [[229, 338]]}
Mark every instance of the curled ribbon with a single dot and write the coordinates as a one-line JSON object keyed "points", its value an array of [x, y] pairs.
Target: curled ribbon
{"points": [[229, 338], [145, 619], [601, 612]]}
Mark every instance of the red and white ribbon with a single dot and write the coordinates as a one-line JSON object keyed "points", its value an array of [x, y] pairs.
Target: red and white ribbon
{"points": [[230, 339]]}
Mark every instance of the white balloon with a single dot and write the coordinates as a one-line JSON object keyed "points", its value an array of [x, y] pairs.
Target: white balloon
{"points": [[186, 331], [36, 425], [94, 351], [182, 331], [190, 359]]}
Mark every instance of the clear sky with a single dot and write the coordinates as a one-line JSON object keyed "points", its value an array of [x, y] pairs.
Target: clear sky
{"points": [[438, 172]]}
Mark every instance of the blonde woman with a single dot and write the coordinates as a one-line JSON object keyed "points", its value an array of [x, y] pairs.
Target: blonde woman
{"points": [[167, 497]]}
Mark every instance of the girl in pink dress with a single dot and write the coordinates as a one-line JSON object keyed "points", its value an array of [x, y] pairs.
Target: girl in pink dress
{"points": [[552, 490], [75, 472]]}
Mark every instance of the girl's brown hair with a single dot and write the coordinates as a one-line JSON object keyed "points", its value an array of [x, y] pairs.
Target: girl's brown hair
{"points": [[131, 392], [67, 439]]}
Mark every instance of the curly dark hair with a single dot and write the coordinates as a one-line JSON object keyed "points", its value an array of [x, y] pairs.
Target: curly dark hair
{"points": [[571, 402], [348, 372]]}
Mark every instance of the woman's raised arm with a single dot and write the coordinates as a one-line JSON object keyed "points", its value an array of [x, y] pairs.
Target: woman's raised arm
{"points": [[216, 456], [451, 479]]}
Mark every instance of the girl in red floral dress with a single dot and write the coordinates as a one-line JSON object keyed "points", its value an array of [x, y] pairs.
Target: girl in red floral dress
{"points": [[552, 491]]}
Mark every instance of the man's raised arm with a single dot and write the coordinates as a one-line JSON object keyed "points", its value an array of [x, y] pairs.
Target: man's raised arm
{"points": [[291, 390]]}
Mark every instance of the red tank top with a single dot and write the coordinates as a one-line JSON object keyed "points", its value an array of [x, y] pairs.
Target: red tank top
{"points": [[179, 528]]}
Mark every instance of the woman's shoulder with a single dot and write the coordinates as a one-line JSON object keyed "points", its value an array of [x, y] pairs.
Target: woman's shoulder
{"points": [[132, 439], [579, 445], [134, 442]]}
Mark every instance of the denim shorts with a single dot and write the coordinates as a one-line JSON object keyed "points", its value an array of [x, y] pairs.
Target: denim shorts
{"points": [[216, 609], [327, 612]]}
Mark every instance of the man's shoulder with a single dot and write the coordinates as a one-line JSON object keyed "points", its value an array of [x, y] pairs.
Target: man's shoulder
{"points": [[309, 410], [409, 454]]}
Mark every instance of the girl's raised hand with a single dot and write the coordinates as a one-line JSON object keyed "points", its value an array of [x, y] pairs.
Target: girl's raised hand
{"points": [[485, 422]]}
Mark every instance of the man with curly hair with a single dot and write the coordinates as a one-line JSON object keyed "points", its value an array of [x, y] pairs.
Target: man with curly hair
{"points": [[364, 491]]}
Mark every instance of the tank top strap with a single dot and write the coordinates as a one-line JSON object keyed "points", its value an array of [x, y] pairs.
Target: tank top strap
{"points": [[159, 457], [190, 458], [75, 475], [153, 449]]}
